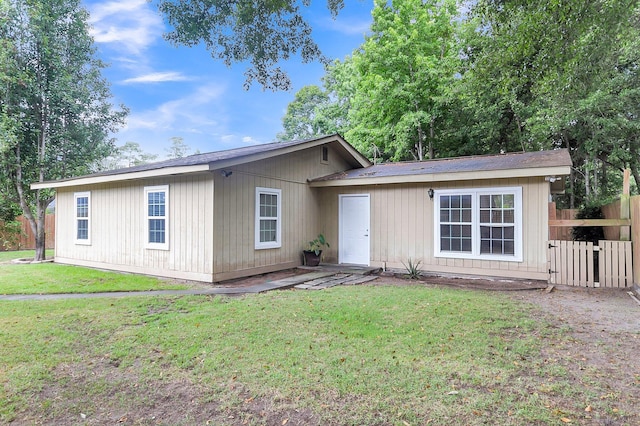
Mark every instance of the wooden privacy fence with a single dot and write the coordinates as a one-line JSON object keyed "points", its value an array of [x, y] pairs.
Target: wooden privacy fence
{"points": [[574, 263], [26, 240]]}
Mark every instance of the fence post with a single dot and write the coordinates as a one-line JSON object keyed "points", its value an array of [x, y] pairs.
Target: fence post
{"points": [[634, 204]]}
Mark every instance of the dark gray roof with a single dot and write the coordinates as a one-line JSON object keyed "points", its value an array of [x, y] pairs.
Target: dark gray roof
{"points": [[208, 157], [509, 161]]}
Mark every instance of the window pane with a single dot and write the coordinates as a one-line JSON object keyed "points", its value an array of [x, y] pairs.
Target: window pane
{"points": [[82, 207], [83, 229], [445, 244], [496, 201], [455, 245], [496, 216], [444, 216], [466, 245], [485, 247], [509, 247], [496, 233], [455, 231], [157, 231], [445, 230], [444, 201], [466, 215], [268, 230], [509, 216], [508, 201], [268, 205], [156, 204], [455, 216], [466, 201], [485, 216], [455, 201], [509, 232], [466, 231]]}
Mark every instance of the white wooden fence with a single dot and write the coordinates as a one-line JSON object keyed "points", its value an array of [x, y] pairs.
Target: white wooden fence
{"points": [[573, 263]]}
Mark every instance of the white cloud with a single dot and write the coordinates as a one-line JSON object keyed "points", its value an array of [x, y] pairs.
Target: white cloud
{"points": [[349, 27], [157, 77], [196, 110], [250, 140], [131, 25]]}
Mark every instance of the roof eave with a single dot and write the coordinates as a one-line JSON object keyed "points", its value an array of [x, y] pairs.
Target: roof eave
{"points": [[446, 177], [358, 158], [92, 180]]}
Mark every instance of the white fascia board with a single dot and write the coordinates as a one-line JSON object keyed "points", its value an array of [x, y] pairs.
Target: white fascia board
{"points": [[447, 177], [91, 180]]}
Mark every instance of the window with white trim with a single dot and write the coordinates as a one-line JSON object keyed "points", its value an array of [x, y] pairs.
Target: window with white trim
{"points": [[157, 216], [479, 223], [268, 218], [82, 202]]}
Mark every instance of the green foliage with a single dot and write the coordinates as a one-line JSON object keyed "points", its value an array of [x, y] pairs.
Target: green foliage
{"points": [[413, 269], [178, 148], [305, 117], [589, 233], [405, 68], [317, 243], [237, 31], [56, 115], [10, 232], [128, 155]]}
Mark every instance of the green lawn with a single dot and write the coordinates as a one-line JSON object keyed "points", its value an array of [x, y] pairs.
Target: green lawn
{"points": [[6, 256], [362, 355], [53, 278]]}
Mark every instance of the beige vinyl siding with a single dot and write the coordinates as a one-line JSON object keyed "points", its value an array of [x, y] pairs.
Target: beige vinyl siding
{"points": [[118, 228], [235, 254], [402, 227]]}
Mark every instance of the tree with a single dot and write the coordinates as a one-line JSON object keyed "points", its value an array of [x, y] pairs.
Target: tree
{"points": [[260, 32], [178, 148], [304, 118], [55, 106], [404, 69], [559, 74], [128, 155]]}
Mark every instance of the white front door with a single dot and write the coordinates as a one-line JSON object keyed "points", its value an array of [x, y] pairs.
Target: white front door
{"points": [[354, 229]]}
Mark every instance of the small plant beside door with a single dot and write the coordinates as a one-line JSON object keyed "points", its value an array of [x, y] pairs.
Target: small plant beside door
{"points": [[313, 253]]}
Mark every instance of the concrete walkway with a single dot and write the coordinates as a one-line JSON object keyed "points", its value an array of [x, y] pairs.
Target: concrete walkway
{"points": [[315, 277]]}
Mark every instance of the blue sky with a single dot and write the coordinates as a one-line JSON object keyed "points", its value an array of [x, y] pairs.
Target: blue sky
{"points": [[183, 92]]}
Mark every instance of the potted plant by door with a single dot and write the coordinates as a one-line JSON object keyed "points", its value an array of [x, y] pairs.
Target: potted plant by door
{"points": [[313, 253]]}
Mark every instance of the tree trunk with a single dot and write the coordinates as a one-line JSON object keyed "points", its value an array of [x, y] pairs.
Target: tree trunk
{"points": [[431, 135]]}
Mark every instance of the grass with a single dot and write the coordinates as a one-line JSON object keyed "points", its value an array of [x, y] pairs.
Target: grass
{"points": [[45, 278], [6, 256], [351, 355]]}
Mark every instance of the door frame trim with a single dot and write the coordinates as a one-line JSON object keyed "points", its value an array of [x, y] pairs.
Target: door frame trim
{"points": [[340, 227]]}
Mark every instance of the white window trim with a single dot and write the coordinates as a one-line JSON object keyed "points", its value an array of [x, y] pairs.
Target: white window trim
{"points": [[278, 242], [475, 220], [77, 195], [147, 190]]}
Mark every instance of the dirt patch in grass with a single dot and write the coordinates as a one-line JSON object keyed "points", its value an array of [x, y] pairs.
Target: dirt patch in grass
{"points": [[602, 354]]}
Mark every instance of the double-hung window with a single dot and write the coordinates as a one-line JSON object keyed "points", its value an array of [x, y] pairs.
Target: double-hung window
{"points": [[82, 201], [479, 223], [157, 216], [268, 218]]}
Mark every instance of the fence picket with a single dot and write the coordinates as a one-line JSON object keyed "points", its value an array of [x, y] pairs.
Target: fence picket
{"points": [[572, 263]]}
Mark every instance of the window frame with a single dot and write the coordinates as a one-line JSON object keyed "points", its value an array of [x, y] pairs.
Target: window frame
{"points": [[76, 196], [261, 245], [476, 224], [147, 191], [324, 149]]}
